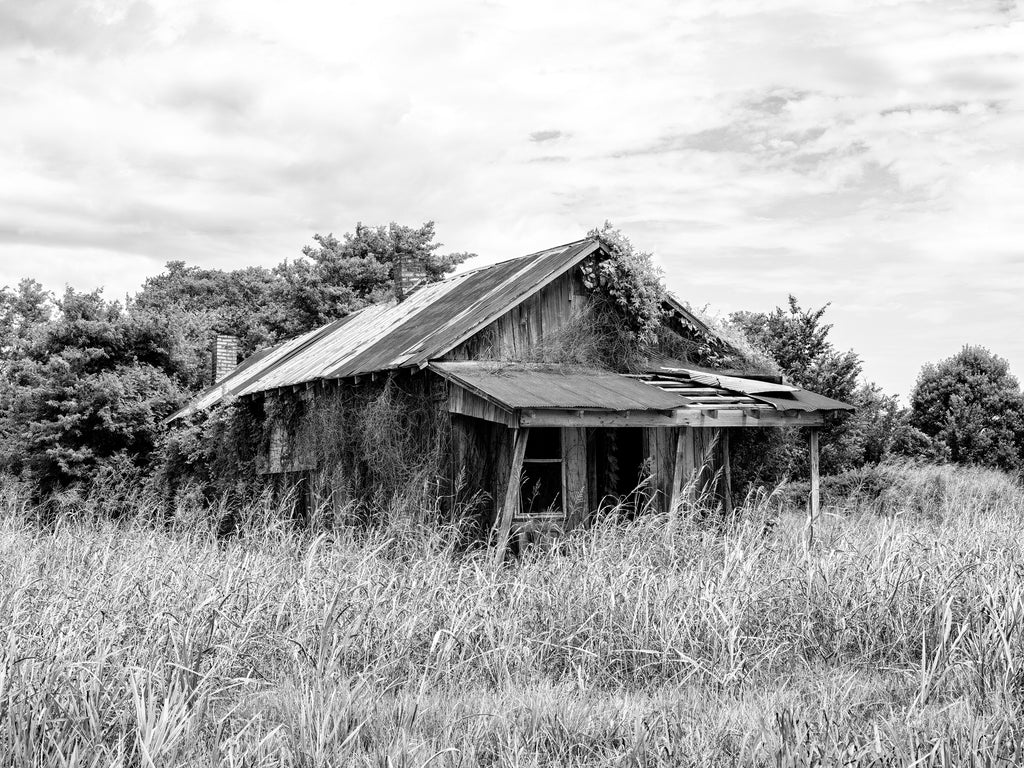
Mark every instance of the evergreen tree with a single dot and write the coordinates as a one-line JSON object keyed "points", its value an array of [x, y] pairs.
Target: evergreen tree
{"points": [[972, 409]]}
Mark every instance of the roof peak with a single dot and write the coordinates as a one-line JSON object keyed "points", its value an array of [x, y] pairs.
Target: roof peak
{"points": [[474, 270]]}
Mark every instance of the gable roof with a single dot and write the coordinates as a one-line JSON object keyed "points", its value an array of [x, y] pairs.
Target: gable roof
{"points": [[429, 323]]}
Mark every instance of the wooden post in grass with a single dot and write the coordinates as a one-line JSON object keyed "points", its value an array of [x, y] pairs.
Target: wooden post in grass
{"points": [[504, 518], [814, 502], [677, 471]]}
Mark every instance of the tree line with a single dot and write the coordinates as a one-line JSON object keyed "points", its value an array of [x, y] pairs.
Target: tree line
{"points": [[87, 382]]}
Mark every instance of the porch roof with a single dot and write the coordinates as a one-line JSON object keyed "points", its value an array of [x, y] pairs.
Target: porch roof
{"points": [[518, 394], [518, 385]]}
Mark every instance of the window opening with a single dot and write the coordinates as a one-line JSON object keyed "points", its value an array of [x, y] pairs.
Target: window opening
{"points": [[542, 472]]}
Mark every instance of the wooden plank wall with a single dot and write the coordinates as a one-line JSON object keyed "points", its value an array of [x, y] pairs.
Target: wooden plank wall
{"points": [[482, 451], [518, 333], [707, 446], [660, 450], [285, 453], [574, 475], [461, 401], [476, 459]]}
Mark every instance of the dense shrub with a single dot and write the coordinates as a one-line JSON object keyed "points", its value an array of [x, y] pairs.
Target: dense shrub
{"points": [[972, 409], [85, 390], [86, 383], [901, 487]]}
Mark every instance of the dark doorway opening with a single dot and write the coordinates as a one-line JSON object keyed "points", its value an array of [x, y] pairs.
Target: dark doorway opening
{"points": [[620, 466]]}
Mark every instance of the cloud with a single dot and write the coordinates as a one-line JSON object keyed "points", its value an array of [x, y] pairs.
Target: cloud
{"points": [[80, 28], [867, 153], [540, 136]]}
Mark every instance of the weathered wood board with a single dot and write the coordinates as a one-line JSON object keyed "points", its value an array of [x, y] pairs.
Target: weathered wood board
{"points": [[518, 334]]}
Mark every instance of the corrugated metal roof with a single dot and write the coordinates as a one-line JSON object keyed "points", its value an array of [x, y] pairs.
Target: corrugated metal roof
{"points": [[519, 385], [537, 386], [429, 323], [440, 316]]}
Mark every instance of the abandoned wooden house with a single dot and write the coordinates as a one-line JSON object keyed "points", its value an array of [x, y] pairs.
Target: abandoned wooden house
{"points": [[469, 370]]}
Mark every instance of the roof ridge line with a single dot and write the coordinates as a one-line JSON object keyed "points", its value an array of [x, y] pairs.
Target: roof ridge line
{"points": [[517, 258]]}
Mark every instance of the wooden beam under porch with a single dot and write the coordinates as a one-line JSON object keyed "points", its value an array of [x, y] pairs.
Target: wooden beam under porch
{"points": [[680, 417]]}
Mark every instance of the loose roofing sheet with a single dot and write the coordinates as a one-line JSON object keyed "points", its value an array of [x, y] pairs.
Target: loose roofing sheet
{"points": [[783, 397]]}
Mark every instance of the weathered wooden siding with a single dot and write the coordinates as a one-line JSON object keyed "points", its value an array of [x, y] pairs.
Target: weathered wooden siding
{"points": [[574, 475], [472, 468], [701, 453], [284, 452], [481, 460], [521, 332], [482, 463], [465, 403], [659, 450]]}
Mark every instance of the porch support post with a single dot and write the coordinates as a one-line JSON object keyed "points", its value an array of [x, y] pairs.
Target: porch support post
{"points": [[504, 521], [726, 472], [677, 470], [814, 503], [684, 468]]}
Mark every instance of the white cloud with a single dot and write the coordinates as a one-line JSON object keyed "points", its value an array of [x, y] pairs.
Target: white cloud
{"points": [[868, 153]]}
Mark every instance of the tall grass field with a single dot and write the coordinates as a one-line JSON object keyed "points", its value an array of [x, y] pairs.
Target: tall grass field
{"points": [[892, 636]]}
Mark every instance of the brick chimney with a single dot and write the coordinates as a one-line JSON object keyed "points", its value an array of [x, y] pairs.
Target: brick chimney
{"points": [[224, 349], [408, 275]]}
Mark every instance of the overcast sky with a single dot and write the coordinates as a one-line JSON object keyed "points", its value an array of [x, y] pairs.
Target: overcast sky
{"points": [[866, 153]]}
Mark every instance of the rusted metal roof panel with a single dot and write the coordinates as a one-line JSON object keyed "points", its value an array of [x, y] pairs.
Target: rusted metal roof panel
{"points": [[522, 386], [451, 316], [515, 385], [392, 335], [246, 376]]}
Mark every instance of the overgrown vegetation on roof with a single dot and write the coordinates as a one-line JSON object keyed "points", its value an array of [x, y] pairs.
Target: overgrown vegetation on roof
{"points": [[632, 322], [628, 281]]}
